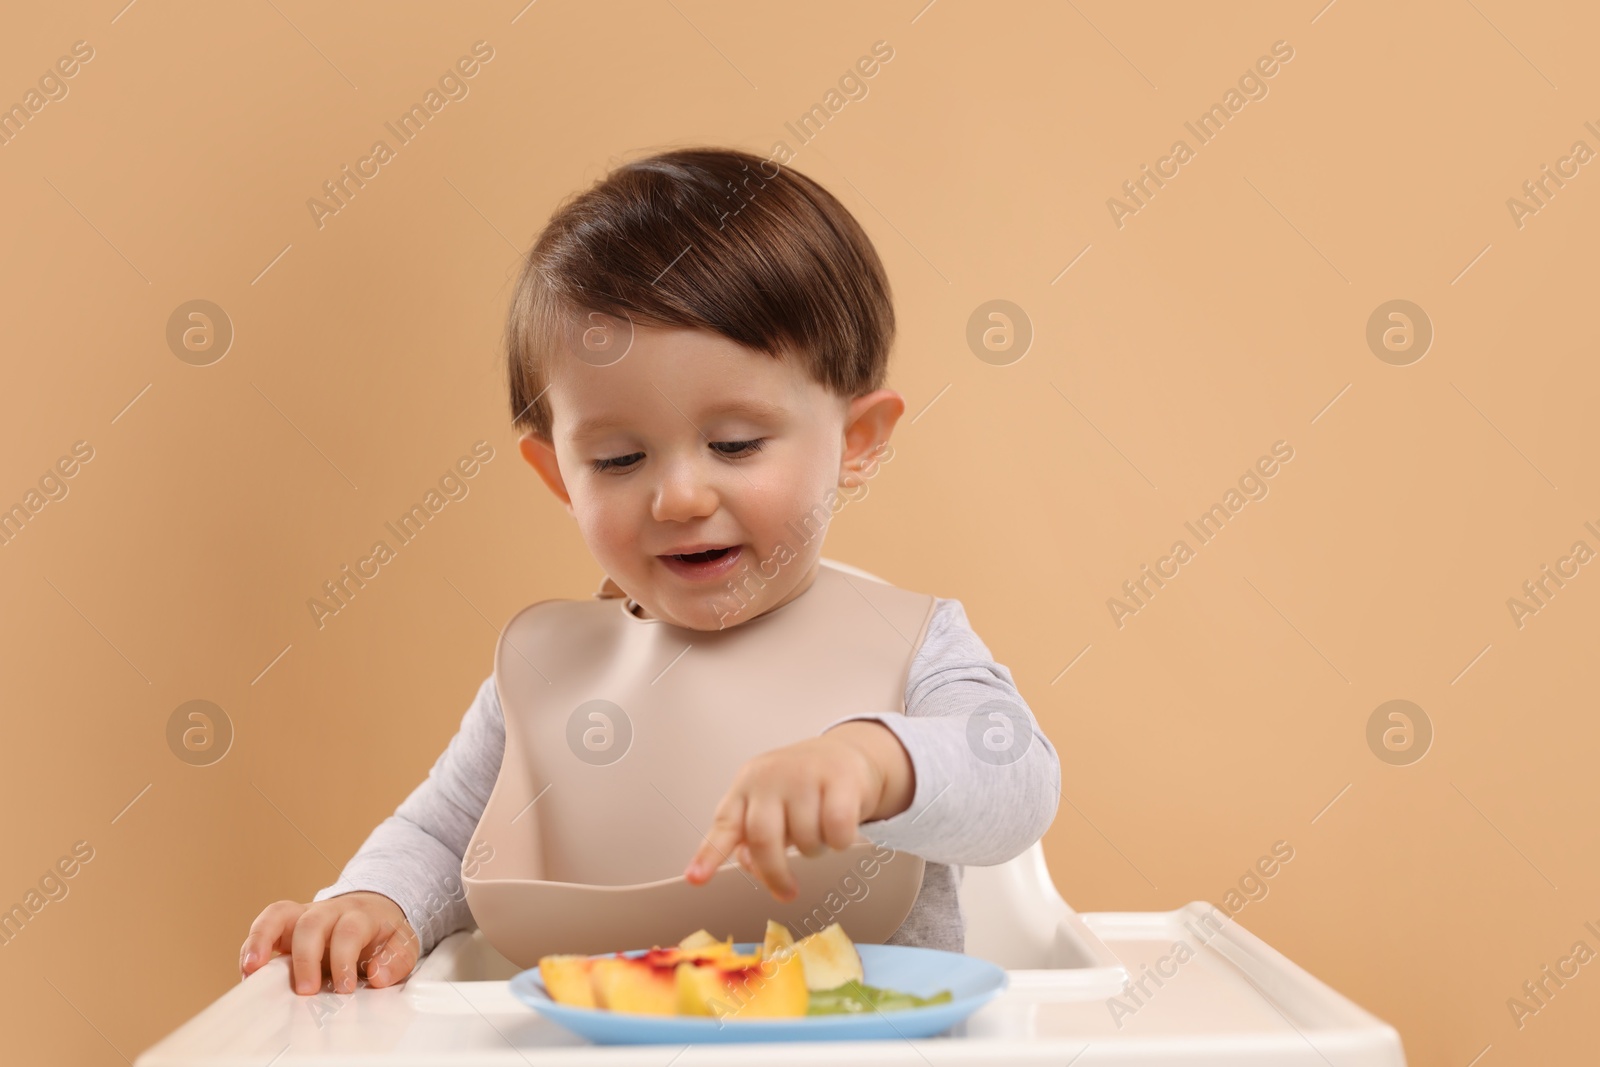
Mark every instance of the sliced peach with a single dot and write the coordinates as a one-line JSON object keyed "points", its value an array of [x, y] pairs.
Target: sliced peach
{"points": [[698, 976], [567, 979], [743, 987], [642, 984], [706, 949]]}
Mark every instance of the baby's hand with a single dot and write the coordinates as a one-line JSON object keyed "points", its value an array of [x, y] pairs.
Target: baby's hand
{"points": [[811, 794], [333, 937]]}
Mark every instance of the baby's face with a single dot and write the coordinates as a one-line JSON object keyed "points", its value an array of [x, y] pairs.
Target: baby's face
{"points": [[691, 441]]}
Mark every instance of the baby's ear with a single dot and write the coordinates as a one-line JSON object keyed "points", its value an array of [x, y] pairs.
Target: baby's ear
{"points": [[541, 456], [868, 422]]}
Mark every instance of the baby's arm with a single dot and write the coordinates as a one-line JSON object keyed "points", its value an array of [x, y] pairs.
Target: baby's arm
{"points": [[413, 858], [966, 809], [931, 782]]}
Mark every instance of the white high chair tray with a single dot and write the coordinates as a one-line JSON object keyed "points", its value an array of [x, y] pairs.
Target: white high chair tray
{"points": [[1230, 999]]}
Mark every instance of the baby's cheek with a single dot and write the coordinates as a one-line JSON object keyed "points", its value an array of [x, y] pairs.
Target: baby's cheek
{"points": [[610, 528], [596, 522], [799, 487]]}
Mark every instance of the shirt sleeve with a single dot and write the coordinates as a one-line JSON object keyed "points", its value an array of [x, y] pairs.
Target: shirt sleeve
{"points": [[988, 781], [414, 856]]}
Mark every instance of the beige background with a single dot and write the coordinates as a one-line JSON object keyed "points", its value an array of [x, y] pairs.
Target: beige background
{"points": [[1227, 314]]}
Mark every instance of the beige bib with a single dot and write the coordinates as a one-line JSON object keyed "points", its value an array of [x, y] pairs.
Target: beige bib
{"points": [[623, 733]]}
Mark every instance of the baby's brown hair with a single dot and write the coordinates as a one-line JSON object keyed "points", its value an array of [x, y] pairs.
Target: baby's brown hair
{"points": [[706, 238]]}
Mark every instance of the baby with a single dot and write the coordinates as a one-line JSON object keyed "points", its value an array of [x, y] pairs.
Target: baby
{"points": [[696, 355]]}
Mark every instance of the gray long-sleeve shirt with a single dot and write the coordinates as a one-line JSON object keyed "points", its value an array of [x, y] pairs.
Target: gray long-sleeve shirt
{"points": [[987, 785]]}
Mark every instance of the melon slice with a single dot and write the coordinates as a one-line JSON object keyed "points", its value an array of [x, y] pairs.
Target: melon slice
{"points": [[699, 939], [778, 939], [830, 958]]}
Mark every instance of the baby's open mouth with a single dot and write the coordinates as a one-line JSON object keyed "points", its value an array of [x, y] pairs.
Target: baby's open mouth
{"points": [[708, 564], [703, 557]]}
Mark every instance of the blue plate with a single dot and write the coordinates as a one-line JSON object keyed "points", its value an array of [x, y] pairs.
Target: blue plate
{"points": [[923, 971]]}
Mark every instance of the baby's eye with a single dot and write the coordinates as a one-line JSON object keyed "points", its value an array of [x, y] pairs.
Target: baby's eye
{"points": [[602, 465], [726, 449], [737, 449]]}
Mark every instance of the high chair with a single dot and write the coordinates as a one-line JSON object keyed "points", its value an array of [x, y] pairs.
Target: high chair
{"points": [[1100, 987]]}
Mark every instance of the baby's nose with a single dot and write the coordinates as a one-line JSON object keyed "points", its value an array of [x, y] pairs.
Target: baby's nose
{"points": [[684, 493]]}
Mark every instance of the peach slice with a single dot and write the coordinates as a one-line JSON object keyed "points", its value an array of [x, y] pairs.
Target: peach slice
{"points": [[701, 945], [703, 976], [641, 984], [743, 987], [567, 979]]}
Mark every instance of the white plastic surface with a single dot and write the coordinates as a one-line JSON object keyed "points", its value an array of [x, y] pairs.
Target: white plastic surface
{"points": [[1232, 1000]]}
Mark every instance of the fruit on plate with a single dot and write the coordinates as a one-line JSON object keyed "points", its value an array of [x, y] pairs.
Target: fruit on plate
{"points": [[778, 939], [830, 958], [857, 999], [568, 979], [620, 983], [701, 940], [720, 982], [639, 984], [819, 974], [743, 987]]}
